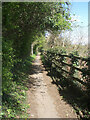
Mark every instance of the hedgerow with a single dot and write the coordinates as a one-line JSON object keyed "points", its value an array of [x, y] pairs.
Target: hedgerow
{"points": [[22, 23]]}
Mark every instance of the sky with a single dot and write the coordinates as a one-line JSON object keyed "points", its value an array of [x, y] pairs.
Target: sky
{"points": [[79, 34], [79, 16], [80, 9]]}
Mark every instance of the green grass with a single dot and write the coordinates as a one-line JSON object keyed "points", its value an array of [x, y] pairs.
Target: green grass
{"points": [[33, 56], [14, 102]]}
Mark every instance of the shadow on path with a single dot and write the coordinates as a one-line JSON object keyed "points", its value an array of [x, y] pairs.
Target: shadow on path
{"points": [[71, 93]]}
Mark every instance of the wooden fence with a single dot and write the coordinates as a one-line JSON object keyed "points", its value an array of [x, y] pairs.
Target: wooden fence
{"points": [[70, 67], [71, 73]]}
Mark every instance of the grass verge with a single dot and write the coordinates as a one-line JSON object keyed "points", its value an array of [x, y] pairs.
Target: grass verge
{"points": [[14, 102]]}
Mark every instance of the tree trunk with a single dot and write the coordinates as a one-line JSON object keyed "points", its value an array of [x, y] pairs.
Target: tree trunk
{"points": [[32, 49]]}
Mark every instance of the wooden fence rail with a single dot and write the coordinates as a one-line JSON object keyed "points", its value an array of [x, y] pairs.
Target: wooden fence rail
{"points": [[71, 74], [76, 68]]}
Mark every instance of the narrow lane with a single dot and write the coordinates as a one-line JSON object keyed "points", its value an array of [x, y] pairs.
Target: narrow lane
{"points": [[43, 97]]}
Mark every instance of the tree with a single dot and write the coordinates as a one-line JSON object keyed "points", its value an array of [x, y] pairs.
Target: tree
{"points": [[24, 23]]}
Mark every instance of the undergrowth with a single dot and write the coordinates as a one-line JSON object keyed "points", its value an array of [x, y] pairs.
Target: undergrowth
{"points": [[13, 101]]}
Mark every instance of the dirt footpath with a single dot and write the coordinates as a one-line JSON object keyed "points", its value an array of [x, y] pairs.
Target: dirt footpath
{"points": [[43, 96]]}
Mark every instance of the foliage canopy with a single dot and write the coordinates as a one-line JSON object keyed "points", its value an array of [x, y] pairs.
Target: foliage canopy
{"points": [[23, 24]]}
